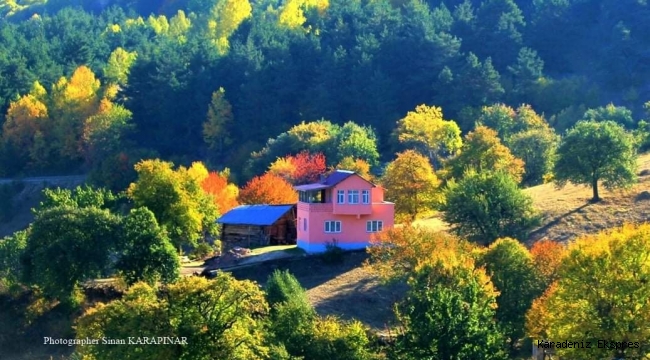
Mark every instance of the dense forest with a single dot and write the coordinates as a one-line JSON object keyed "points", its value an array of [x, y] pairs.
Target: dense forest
{"points": [[97, 85]]}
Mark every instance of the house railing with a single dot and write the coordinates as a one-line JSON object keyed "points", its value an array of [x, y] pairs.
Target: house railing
{"points": [[316, 207]]}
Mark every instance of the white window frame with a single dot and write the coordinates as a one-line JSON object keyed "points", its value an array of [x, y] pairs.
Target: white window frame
{"points": [[340, 197], [332, 226], [353, 196], [365, 196], [373, 226]]}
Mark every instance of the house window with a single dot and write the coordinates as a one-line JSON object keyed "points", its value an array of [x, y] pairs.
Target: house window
{"points": [[365, 196], [304, 224], [332, 226], [374, 226], [341, 197], [353, 196]]}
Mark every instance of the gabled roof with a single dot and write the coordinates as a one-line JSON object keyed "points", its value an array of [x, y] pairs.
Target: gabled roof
{"points": [[331, 180], [258, 215]]}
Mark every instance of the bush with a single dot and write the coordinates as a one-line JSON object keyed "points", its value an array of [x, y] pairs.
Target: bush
{"points": [[333, 253], [202, 250], [281, 286]]}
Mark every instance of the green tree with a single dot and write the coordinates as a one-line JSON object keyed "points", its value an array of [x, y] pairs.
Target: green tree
{"points": [[486, 206], [79, 197], [176, 198], [282, 286], [11, 249], [295, 325], [513, 273], [507, 121], [483, 151], [357, 141], [147, 254], [596, 151], [412, 184], [219, 318], [426, 129], [448, 313], [537, 148], [602, 293], [216, 129], [67, 246], [618, 114]]}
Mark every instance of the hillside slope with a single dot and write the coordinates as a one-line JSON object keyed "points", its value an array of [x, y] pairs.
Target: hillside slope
{"points": [[567, 213]]}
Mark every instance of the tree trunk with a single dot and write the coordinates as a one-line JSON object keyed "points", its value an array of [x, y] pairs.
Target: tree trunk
{"points": [[594, 187]]}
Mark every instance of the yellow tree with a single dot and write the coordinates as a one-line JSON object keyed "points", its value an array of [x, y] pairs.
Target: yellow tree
{"points": [[426, 129], [359, 166], [119, 65], [293, 11], [483, 151], [179, 25], [226, 16], [159, 24], [216, 128], [601, 294], [410, 181], [73, 102]]}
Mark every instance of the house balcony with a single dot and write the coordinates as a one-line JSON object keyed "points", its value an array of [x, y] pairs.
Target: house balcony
{"points": [[315, 207]]}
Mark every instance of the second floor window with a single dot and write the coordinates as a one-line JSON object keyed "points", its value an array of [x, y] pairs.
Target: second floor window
{"points": [[332, 226], [304, 224], [365, 196], [340, 197], [353, 196]]}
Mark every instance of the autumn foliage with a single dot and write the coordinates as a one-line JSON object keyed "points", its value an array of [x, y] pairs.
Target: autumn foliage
{"points": [[547, 256], [268, 189], [302, 168], [224, 193]]}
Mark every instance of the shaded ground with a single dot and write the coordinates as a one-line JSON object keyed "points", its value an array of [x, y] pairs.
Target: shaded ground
{"points": [[346, 290]]}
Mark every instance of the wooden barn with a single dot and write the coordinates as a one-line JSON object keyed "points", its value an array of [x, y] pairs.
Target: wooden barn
{"points": [[258, 225]]}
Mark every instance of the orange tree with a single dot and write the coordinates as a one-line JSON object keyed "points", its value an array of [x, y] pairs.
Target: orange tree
{"points": [[268, 189]]}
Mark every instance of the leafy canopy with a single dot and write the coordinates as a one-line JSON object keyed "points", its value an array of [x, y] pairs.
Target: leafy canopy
{"points": [[596, 151], [176, 198], [432, 135], [483, 151], [602, 292], [486, 206], [412, 184]]}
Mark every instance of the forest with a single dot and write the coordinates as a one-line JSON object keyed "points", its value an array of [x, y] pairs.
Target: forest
{"points": [[176, 111], [84, 87]]}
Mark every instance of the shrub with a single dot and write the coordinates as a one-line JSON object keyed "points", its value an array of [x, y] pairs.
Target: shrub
{"points": [[333, 253], [281, 286]]}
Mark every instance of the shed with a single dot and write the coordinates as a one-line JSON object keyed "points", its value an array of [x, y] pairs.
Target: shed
{"points": [[258, 225]]}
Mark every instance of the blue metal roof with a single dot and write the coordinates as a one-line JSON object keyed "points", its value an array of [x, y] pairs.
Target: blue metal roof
{"points": [[259, 215]]}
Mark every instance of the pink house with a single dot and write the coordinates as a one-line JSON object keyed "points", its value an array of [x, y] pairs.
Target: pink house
{"points": [[342, 207]]}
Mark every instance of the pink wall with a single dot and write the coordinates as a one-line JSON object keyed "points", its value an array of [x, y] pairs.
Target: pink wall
{"points": [[354, 182]]}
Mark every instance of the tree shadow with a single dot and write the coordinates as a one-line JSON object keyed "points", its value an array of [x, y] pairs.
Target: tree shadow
{"points": [[536, 234]]}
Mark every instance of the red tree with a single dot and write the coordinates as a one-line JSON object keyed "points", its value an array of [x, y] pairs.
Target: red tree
{"points": [[268, 189], [308, 166]]}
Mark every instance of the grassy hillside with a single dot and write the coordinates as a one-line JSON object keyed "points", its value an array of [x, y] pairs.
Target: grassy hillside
{"points": [[567, 212]]}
